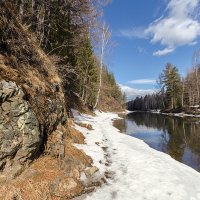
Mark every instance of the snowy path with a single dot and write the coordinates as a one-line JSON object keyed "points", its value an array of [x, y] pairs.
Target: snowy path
{"points": [[138, 172]]}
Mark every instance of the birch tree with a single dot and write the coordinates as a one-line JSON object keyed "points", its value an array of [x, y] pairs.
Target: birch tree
{"points": [[182, 92], [105, 36], [196, 63]]}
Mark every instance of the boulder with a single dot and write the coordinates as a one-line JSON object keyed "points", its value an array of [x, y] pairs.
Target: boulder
{"points": [[65, 187], [90, 171]]}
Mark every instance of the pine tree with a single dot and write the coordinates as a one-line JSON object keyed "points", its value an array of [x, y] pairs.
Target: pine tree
{"points": [[172, 85]]}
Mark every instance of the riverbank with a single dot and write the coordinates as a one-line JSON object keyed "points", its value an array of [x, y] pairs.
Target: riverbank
{"points": [[132, 169], [181, 114]]}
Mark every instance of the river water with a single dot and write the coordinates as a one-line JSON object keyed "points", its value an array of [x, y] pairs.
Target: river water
{"points": [[178, 137]]}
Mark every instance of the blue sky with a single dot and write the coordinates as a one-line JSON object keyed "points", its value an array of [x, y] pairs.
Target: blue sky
{"points": [[148, 34]]}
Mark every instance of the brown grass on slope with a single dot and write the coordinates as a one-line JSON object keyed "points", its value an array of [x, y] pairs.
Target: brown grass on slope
{"points": [[49, 177]]}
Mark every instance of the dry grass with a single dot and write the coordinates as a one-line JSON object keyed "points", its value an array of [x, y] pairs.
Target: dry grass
{"points": [[36, 181], [88, 126], [108, 103], [74, 135]]}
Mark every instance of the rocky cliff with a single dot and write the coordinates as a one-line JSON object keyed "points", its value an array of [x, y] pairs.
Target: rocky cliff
{"points": [[20, 134], [37, 157]]}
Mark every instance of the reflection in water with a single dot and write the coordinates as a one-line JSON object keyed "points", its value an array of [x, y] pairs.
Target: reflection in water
{"points": [[179, 137], [120, 124]]}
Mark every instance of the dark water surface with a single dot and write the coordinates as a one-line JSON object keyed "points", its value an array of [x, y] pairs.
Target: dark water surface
{"points": [[178, 137]]}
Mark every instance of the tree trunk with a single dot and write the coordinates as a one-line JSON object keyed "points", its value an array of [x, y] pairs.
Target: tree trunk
{"points": [[21, 9], [183, 90], [197, 84], [103, 45]]}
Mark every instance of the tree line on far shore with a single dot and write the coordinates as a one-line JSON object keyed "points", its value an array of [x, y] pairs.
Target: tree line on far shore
{"points": [[175, 94]]}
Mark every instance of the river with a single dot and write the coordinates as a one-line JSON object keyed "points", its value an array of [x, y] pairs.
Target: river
{"points": [[178, 137]]}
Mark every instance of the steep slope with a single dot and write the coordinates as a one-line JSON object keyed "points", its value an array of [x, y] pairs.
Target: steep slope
{"points": [[31, 92], [37, 157], [111, 98]]}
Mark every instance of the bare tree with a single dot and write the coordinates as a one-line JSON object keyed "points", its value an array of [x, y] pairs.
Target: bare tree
{"points": [[182, 92], [196, 63], [21, 9], [105, 36]]}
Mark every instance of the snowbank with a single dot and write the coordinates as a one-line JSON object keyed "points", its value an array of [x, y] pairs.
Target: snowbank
{"points": [[181, 115], [136, 171]]}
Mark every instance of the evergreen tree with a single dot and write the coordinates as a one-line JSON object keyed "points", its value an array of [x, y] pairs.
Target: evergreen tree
{"points": [[172, 85], [64, 30]]}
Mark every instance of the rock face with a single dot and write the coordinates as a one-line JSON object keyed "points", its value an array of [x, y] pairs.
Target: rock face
{"points": [[30, 128], [20, 137]]}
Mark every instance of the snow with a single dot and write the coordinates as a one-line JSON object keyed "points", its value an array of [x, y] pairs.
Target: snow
{"points": [[182, 114], [137, 171]]}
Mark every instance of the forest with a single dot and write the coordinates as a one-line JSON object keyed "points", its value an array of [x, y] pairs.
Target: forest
{"points": [[174, 93], [74, 36]]}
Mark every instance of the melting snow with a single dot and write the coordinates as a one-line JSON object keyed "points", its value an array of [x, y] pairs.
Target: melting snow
{"points": [[137, 171]]}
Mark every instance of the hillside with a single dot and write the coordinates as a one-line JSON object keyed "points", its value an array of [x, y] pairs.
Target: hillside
{"points": [[37, 157]]}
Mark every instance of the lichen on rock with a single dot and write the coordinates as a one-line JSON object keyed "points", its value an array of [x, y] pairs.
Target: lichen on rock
{"points": [[20, 137]]}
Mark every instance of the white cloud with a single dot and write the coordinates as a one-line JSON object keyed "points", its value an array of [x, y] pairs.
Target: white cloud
{"points": [[178, 28], [185, 8], [143, 81], [136, 32], [132, 93], [163, 52]]}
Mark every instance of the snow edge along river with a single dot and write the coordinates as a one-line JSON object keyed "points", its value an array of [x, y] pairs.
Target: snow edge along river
{"points": [[138, 171]]}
